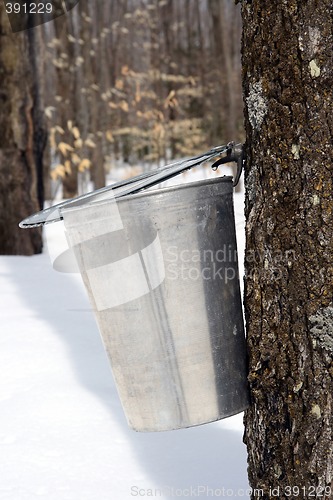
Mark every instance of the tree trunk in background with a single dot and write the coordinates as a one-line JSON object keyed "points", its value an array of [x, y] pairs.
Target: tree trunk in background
{"points": [[66, 99], [222, 119], [22, 141], [99, 74], [35, 50], [288, 81]]}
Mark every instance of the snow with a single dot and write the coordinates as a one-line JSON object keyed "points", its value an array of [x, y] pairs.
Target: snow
{"points": [[63, 434]]}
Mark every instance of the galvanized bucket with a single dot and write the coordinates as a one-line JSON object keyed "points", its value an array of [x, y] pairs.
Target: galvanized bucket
{"points": [[161, 271], [163, 278]]}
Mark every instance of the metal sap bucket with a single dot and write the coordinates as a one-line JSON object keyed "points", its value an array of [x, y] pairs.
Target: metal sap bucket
{"points": [[161, 271]]}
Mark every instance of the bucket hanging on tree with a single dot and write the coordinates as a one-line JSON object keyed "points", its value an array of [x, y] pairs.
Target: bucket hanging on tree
{"points": [[161, 271]]}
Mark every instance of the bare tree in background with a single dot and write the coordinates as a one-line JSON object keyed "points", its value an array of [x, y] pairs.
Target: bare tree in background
{"points": [[22, 138], [143, 81]]}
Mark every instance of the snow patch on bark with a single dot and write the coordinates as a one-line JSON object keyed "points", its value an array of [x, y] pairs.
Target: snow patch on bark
{"points": [[322, 327], [314, 69]]}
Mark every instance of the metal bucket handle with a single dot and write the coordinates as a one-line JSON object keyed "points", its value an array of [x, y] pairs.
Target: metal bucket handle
{"points": [[234, 153]]}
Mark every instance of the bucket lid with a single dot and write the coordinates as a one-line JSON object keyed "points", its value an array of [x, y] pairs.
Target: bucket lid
{"points": [[234, 152]]}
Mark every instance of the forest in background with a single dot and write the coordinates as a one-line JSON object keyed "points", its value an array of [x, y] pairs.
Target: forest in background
{"points": [[140, 82]]}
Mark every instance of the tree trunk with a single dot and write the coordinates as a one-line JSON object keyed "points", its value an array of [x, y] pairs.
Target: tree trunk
{"points": [[21, 143], [288, 80]]}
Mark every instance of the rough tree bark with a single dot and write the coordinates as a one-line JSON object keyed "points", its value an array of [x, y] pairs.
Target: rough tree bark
{"points": [[22, 140], [288, 79]]}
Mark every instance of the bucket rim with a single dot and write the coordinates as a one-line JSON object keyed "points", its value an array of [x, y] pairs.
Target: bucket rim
{"points": [[176, 187], [152, 192], [135, 184]]}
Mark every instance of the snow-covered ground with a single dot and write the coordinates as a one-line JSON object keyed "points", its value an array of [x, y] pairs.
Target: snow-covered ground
{"points": [[63, 434]]}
